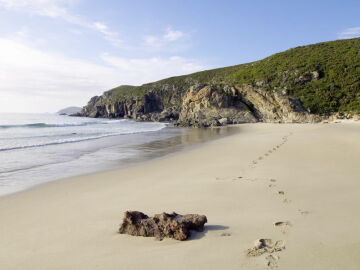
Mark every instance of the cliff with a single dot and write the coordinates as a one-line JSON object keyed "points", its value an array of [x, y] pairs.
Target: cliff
{"points": [[302, 84]]}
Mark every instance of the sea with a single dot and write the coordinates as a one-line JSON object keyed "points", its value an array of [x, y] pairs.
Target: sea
{"points": [[37, 148]]}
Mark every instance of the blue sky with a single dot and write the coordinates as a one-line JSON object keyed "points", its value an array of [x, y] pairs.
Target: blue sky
{"points": [[57, 53]]}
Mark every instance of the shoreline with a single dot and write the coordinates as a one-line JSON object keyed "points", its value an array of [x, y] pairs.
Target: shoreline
{"points": [[191, 138], [235, 181]]}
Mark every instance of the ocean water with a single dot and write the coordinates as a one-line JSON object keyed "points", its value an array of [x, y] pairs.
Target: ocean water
{"points": [[37, 148]]}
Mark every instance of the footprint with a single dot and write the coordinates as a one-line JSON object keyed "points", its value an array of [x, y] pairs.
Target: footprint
{"points": [[222, 179], [272, 185], [262, 246], [225, 234], [303, 212], [272, 261], [283, 225], [260, 158], [272, 180], [280, 192], [266, 154], [267, 246], [286, 200]]}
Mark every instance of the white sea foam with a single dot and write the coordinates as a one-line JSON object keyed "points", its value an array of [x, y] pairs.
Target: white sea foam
{"points": [[39, 147], [55, 129]]}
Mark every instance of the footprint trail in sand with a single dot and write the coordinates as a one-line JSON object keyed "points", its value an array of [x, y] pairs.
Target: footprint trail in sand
{"points": [[263, 246]]}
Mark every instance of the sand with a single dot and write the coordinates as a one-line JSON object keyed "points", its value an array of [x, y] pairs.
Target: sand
{"points": [[297, 184]]}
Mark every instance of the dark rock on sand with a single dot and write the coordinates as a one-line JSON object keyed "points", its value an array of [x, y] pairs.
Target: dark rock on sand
{"points": [[161, 225]]}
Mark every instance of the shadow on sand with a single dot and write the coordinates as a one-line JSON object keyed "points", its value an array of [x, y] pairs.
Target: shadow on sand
{"points": [[198, 235]]}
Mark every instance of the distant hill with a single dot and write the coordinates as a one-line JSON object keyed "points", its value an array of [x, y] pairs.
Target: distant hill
{"points": [[319, 80], [69, 111]]}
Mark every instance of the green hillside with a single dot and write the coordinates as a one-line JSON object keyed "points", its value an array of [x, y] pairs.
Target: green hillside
{"points": [[325, 77]]}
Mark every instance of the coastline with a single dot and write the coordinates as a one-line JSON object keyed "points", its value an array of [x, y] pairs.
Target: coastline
{"points": [[106, 154], [72, 223]]}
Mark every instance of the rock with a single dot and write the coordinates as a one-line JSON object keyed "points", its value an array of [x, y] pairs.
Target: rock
{"points": [[223, 121], [261, 83], [342, 116], [285, 92], [161, 225], [202, 105], [308, 77], [205, 105], [315, 75]]}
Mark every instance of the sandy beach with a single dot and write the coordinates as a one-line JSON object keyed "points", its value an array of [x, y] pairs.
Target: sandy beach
{"points": [[304, 175]]}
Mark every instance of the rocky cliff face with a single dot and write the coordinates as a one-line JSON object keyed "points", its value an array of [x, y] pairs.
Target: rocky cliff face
{"points": [[202, 106], [159, 104], [296, 85]]}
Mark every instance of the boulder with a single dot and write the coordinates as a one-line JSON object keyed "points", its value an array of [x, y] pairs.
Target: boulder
{"points": [[308, 77], [161, 225], [223, 121]]}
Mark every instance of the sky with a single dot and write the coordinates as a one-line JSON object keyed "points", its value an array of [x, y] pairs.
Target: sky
{"points": [[60, 53]]}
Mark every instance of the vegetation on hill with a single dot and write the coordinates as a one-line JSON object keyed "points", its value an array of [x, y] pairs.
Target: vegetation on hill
{"points": [[325, 77], [119, 91], [338, 66]]}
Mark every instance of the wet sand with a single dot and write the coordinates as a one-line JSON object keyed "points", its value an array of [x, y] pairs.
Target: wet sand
{"points": [[297, 185]]}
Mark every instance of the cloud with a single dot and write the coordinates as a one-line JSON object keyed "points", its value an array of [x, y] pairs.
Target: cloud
{"points": [[36, 81], [49, 8], [111, 36], [144, 70], [28, 76], [170, 36], [350, 33], [173, 35], [60, 9]]}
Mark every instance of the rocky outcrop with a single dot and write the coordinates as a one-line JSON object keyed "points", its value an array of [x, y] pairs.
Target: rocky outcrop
{"points": [[297, 85], [343, 116], [211, 106], [161, 225], [160, 104], [203, 106], [308, 77]]}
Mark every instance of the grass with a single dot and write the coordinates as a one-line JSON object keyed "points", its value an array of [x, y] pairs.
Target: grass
{"points": [[336, 90]]}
